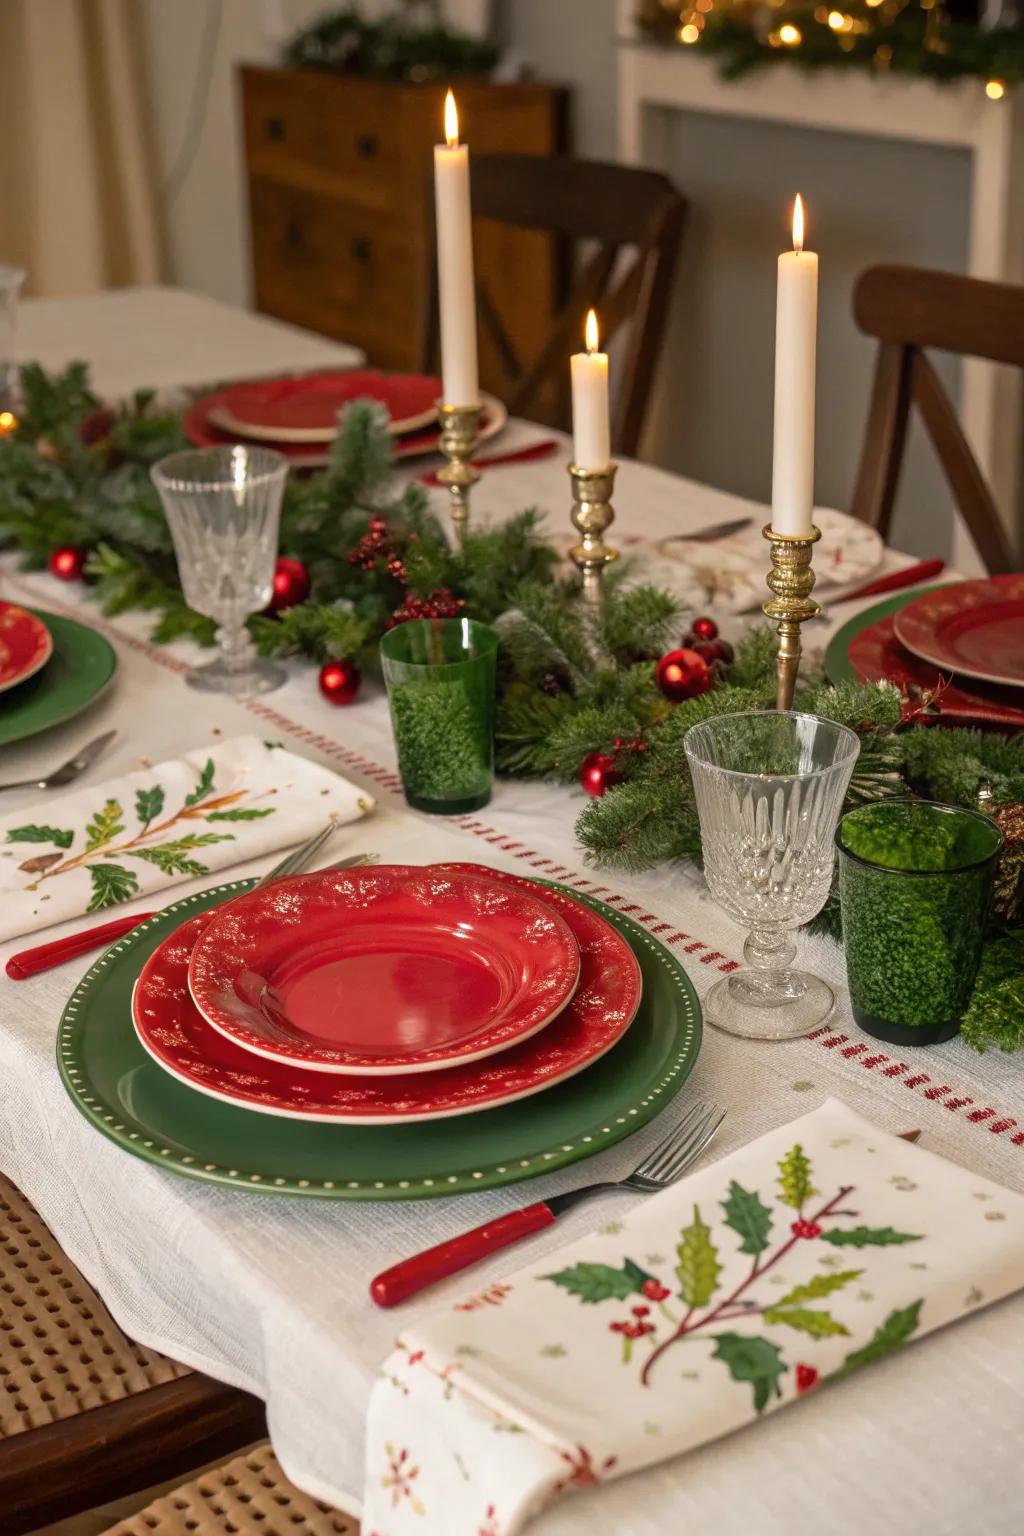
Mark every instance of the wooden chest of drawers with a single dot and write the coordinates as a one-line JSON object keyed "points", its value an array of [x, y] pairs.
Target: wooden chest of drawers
{"points": [[340, 193]]}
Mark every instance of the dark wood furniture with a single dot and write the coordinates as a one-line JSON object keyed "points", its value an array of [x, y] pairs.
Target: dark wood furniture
{"points": [[341, 203], [911, 310], [86, 1414], [617, 230]]}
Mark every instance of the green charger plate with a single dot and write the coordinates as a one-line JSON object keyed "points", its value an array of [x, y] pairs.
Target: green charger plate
{"points": [[837, 653], [131, 1100], [81, 666]]}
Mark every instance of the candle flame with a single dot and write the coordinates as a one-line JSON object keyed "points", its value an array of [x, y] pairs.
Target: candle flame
{"points": [[451, 121], [798, 224], [590, 335]]}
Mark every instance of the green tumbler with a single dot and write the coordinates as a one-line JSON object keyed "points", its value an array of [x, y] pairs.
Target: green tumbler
{"points": [[915, 881], [441, 678]]}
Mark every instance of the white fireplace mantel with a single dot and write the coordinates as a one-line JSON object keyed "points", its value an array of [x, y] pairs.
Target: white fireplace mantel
{"points": [[653, 77]]}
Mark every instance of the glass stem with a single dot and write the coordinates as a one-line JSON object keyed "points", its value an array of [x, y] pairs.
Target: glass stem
{"points": [[236, 646], [767, 949]]}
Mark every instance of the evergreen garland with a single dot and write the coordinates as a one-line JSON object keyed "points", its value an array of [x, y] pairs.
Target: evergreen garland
{"points": [[571, 681]]}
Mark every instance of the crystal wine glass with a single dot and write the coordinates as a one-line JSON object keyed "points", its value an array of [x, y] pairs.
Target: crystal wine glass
{"points": [[769, 789], [223, 507]]}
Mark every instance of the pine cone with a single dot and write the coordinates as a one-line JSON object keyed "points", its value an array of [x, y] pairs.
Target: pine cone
{"points": [[1009, 882]]}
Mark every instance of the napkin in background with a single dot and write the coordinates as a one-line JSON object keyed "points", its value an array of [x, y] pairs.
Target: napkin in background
{"points": [[108, 843], [770, 1275]]}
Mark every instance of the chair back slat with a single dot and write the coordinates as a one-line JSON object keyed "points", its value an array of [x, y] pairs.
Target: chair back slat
{"points": [[910, 309]]}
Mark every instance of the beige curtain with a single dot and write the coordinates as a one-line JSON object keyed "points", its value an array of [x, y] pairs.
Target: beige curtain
{"points": [[78, 192]]}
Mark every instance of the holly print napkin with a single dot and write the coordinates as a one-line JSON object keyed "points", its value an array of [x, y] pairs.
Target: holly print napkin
{"points": [[775, 1273], [145, 831]]}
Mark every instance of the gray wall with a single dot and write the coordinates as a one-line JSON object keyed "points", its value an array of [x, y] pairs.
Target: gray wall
{"points": [[870, 200]]}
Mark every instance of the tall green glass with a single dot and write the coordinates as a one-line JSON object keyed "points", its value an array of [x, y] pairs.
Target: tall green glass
{"points": [[915, 881], [441, 678]]}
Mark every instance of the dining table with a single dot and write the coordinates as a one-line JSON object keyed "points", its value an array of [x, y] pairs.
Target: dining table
{"points": [[270, 1293]]}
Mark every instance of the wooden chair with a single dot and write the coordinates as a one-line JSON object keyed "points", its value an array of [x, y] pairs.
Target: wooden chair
{"points": [[250, 1496], [597, 213], [909, 310], [87, 1415]]}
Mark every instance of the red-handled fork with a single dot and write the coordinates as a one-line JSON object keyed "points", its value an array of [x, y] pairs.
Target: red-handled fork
{"points": [[660, 1168]]}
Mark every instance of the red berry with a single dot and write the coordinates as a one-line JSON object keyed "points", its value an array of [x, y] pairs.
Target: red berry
{"points": [[805, 1229], [655, 1291], [704, 629], [711, 650], [806, 1378], [726, 652], [640, 1311]]}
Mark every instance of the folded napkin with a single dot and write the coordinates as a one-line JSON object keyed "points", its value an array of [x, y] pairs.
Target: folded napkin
{"points": [[144, 831], [772, 1274]]}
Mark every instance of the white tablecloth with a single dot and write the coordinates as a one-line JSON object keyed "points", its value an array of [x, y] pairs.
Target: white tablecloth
{"points": [[167, 338], [271, 1294]]}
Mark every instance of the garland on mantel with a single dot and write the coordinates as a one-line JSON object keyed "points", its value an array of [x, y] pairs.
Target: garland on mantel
{"points": [[76, 474], [927, 39]]}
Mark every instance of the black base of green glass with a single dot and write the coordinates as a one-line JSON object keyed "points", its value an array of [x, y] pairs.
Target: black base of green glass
{"points": [[906, 1034], [449, 807]]}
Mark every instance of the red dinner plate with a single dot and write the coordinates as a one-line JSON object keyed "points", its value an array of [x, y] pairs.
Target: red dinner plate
{"points": [[202, 431], [176, 1035], [877, 656], [383, 970], [25, 645], [972, 627], [305, 409]]}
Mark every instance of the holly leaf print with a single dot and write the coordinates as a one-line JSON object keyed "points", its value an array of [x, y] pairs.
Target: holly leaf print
{"points": [[148, 804], [638, 1276], [795, 1178], [111, 883], [748, 1216], [754, 1360], [172, 858], [698, 1268], [867, 1237], [892, 1334], [61, 837], [203, 786], [106, 824], [820, 1325], [595, 1282], [252, 813], [818, 1286]]}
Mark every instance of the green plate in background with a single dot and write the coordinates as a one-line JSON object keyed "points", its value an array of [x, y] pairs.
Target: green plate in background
{"points": [[131, 1100], [837, 653], [81, 667]]}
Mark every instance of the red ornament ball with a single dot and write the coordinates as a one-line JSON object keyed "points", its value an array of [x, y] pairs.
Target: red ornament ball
{"points": [[711, 650], [68, 562], [339, 681], [704, 629], [598, 772], [682, 674], [291, 584]]}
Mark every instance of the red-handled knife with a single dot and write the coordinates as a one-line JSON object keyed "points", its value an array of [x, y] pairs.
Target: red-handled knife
{"points": [[924, 570], [660, 1168], [31, 961]]}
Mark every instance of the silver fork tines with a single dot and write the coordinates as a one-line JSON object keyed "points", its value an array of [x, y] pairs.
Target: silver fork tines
{"points": [[682, 1145]]}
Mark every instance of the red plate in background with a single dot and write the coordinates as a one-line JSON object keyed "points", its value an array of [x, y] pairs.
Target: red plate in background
{"points": [[975, 628], [305, 409], [174, 1032], [383, 970], [26, 645], [876, 655]]}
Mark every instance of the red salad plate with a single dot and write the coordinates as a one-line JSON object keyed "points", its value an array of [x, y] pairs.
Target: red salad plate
{"points": [[305, 409], [383, 970], [975, 628], [176, 1035], [202, 431], [25, 645]]}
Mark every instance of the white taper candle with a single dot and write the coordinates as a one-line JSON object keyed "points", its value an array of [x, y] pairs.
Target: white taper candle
{"points": [[457, 291], [591, 430], [796, 325]]}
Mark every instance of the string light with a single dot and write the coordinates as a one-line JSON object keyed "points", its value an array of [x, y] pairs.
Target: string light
{"points": [[690, 33], [790, 36], [995, 90]]}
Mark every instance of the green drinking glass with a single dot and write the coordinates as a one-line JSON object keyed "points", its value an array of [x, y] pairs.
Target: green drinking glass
{"points": [[441, 676], [915, 881]]}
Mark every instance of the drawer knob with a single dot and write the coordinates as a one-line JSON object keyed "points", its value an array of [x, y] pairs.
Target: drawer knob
{"points": [[361, 248], [367, 146], [275, 128]]}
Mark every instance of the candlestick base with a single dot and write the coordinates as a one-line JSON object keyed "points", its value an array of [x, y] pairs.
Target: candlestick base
{"points": [[460, 434], [592, 515], [791, 580]]}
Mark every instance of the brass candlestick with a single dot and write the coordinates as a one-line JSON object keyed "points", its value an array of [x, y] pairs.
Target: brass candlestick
{"points": [[791, 580], [592, 515], [460, 433]]}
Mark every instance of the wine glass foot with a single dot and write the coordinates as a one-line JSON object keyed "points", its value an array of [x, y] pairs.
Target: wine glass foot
{"points": [[255, 676], [790, 1005]]}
